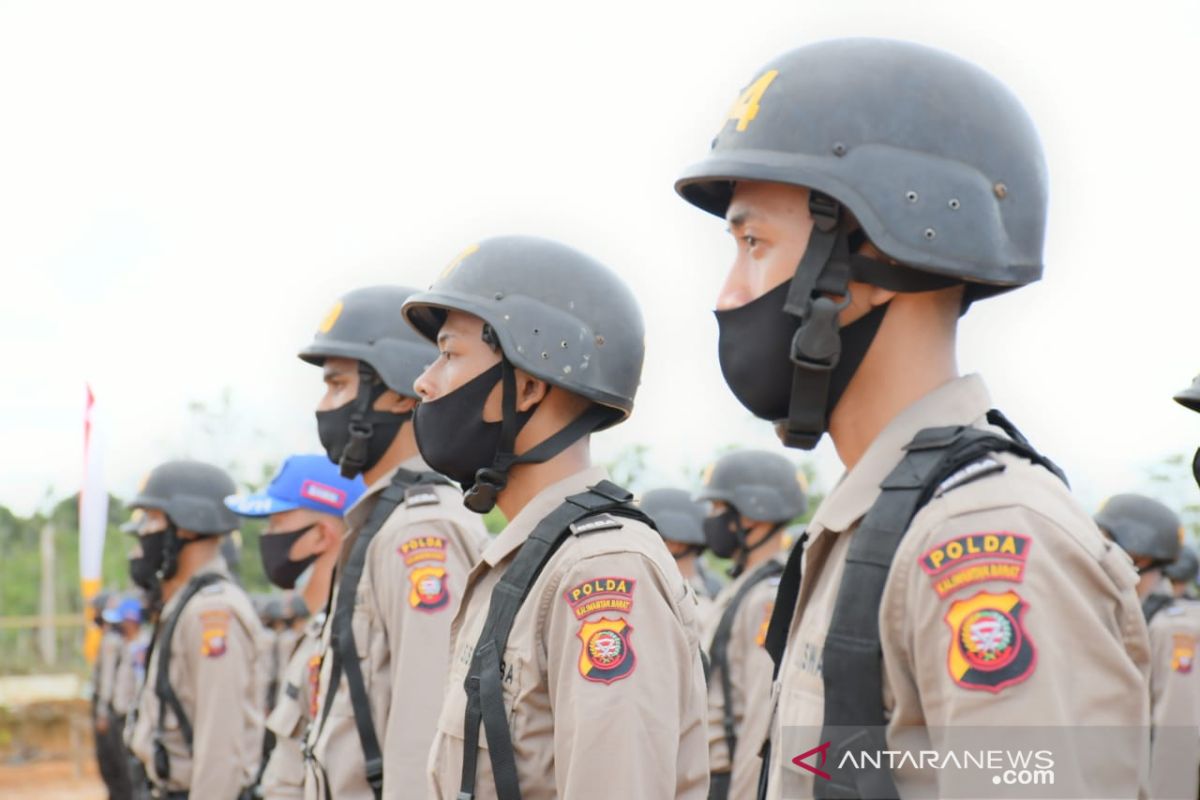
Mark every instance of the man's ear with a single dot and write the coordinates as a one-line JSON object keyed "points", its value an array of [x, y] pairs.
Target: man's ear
{"points": [[877, 296], [530, 390], [331, 535], [394, 403]]}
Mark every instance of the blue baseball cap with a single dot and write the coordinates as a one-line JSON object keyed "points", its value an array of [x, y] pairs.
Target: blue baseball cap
{"points": [[312, 482], [130, 610]]}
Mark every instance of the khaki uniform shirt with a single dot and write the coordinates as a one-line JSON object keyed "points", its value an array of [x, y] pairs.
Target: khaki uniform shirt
{"points": [[215, 654], [1175, 702], [283, 778], [125, 686], [604, 680], [1004, 606], [704, 603], [413, 578], [750, 672], [108, 661]]}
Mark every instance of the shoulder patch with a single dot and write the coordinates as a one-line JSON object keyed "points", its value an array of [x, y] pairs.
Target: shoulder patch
{"points": [[760, 638], [990, 649], [424, 495], [600, 522], [429, 591], [973, 471], [601, 594], [974, 558], [1183, 652], [422, 548], [607, 655], [215, 632]]}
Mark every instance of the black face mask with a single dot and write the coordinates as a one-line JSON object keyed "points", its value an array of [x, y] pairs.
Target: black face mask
{"points": [[356, 436], [1196, 466], [452, 435], [280, 568], [142, 572], [724, 534], [755, 353], [154, 548]]}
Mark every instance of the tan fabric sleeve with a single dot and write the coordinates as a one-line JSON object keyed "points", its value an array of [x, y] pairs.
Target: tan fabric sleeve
{"points": [[753, 670], [618, 682], [1175, 705], [1001, 617], [419, 578], [222, 654], [110, 655]]}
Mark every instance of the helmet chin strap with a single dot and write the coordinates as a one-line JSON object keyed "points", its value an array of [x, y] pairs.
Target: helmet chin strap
{"points": [[744, 550], [818, 346], [491, 481], [354, 455]]}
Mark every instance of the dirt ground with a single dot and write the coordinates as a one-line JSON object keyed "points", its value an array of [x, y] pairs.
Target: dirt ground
{"points": [[51, 780]]}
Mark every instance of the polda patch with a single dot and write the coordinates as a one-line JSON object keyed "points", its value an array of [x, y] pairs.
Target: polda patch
{"points": [[214, 638], [990, 649], [1183, 652], [422, 548], [607, 655], [600, 594], [975, 558]]}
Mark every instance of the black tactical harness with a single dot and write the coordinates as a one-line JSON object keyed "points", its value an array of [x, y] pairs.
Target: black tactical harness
{"points": [[719, 653], [404, 484], [483, 684], [852, 666], [162, 678]]}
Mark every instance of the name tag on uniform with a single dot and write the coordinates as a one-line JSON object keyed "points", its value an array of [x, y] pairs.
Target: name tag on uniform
{"points": [[420, 496], [600, 522]]}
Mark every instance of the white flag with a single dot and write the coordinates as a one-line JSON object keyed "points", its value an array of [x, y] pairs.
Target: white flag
{"points": [[93, 513]]}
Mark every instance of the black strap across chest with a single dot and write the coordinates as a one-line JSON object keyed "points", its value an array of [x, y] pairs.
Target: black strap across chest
{"points": [[167, 698], [852, 660], [719, 649], [342, 644], [484, 681]]}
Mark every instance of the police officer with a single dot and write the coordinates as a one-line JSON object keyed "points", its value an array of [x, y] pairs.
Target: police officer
{"points": [[199, 725], [108, 724], [403, 565], [1151, 533], [752, 495], [576, 646], [304, 502], [875, 189], [680, 522]]}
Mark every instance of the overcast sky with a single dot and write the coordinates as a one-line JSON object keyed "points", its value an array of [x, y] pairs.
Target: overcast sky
{"points": [[185, 190]]}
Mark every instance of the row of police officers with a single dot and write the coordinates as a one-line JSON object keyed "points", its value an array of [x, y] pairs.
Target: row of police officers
{"points": [[949, 592]]}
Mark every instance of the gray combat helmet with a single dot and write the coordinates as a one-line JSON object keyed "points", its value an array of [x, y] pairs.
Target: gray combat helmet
{"points": [[678, 517], [936, 159], [761, 485], [366, 325], [1189, 398], [558, 314], [192, 495], [1142, 527], [1185, 568]]}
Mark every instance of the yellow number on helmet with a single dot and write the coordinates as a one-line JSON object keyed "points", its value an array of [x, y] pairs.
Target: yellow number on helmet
{"points": [[745, 109], [330, 318]]}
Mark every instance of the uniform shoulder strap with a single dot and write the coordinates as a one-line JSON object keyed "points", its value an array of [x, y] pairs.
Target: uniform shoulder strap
{"points": [[719, 649], [852, 660], [1155, 603], [162, 676], [345, 649], [483, 684]]}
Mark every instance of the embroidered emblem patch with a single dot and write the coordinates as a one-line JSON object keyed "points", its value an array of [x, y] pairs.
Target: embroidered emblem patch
{"points": [[607, 654], [314, 685], [1183, 652], [600, 594], [423, 548], [760, 638], [989, 647], [975, 558], [215, 635], [429, 591]]}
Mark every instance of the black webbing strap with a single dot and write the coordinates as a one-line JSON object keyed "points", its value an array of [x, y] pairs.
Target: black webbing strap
{"points": [[719, 650], [344, 648], [1155, 603], [852, 660], [162, 678], [483, 684]]}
